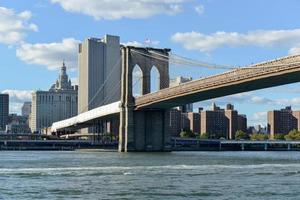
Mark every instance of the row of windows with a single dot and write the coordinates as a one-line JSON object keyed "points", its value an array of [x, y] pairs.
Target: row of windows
{"points": [[50, 98]]}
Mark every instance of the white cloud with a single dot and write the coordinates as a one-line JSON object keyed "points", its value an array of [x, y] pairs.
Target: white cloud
{"points": [[133, 43], [17, 98], [149, 42], [286, 102], [50, 55], [261, 38], [249, 98], [146, 43], [14, 26], [117, 9], [15, 108], [246, 97], [259, 100], [295, 50], [199, 9], [74, 80], [260, 115], [259, 118]]}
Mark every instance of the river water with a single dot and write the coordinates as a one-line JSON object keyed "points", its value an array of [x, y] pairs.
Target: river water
{"points": [[176, 175]]}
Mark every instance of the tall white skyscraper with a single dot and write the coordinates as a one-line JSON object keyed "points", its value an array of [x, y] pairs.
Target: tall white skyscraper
{"points": [[99, 72]]}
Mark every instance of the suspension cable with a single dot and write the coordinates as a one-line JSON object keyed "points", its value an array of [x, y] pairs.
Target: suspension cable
{"points": [[171, 59]]}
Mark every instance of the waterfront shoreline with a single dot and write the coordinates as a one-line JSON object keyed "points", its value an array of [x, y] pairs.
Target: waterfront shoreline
{"points": [[178, 144]]}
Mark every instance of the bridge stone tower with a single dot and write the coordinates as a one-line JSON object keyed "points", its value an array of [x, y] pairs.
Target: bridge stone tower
{"points": [[146, 129]]}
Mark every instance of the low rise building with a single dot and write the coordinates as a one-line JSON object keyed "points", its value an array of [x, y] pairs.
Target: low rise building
{"points": [[222, 123], [242, 123], [283, 121], [175, 122], [214, 122], [17, 124], [191, 121]]}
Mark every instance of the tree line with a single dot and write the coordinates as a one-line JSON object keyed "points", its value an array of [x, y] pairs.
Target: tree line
{"points": [[241, 135]]}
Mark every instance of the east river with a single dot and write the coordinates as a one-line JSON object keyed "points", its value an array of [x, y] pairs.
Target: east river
{"points": [[177, 175]]}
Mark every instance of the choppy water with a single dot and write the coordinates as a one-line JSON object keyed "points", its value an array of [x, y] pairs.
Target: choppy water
{"points": [[177, 175]]}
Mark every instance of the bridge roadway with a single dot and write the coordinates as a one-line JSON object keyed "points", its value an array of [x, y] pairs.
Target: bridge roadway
{"points": [[263, 75], [258, 76], [86, 117]]}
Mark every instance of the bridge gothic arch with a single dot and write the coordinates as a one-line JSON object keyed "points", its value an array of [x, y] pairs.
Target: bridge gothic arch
{"points": [[154, 79], [146, 60], [137, 81]]}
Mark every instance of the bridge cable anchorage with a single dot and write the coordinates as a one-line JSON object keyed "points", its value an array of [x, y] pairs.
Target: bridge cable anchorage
{"points": [[102, 86]]}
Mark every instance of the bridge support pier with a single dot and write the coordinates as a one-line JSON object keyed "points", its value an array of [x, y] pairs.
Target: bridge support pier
{"points": [[145, 130]]}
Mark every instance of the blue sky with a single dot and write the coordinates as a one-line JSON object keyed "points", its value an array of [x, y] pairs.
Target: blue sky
{"points": [[36, 35]]}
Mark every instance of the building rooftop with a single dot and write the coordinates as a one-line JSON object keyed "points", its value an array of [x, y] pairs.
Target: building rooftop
{"points": [[63, 82]]}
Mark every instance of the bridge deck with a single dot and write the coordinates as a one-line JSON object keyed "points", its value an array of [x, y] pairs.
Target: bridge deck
{"points": [[101, 111], [258, 76]]}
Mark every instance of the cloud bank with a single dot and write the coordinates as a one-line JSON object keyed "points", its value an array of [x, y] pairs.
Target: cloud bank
{"points": [[114, 10], [14, 26], [260, 38], [17, 98], [50, 55]]}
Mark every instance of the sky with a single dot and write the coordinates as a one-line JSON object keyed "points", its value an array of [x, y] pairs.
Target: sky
{"points": [[37, 35]]}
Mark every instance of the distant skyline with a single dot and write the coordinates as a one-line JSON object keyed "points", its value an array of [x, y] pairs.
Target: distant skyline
{"points": [[37, 35]]}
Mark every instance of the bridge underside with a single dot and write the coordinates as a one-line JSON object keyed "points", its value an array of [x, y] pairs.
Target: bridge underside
{"points": [[229, 89], [88, 118], [89, 123]]}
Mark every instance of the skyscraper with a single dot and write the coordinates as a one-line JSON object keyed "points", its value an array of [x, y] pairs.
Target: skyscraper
{"points": [[4, 110], [59, 103], [26, 109], [99, 72]]}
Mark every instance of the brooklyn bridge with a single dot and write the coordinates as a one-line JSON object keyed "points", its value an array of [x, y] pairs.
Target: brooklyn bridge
{"points": [[144, 120]]}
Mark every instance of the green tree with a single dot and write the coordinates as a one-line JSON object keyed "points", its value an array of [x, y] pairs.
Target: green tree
{"points": [[241, 135], [293, 135], [259, 136], [204, 136], [279, 136], [187, 134]]}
